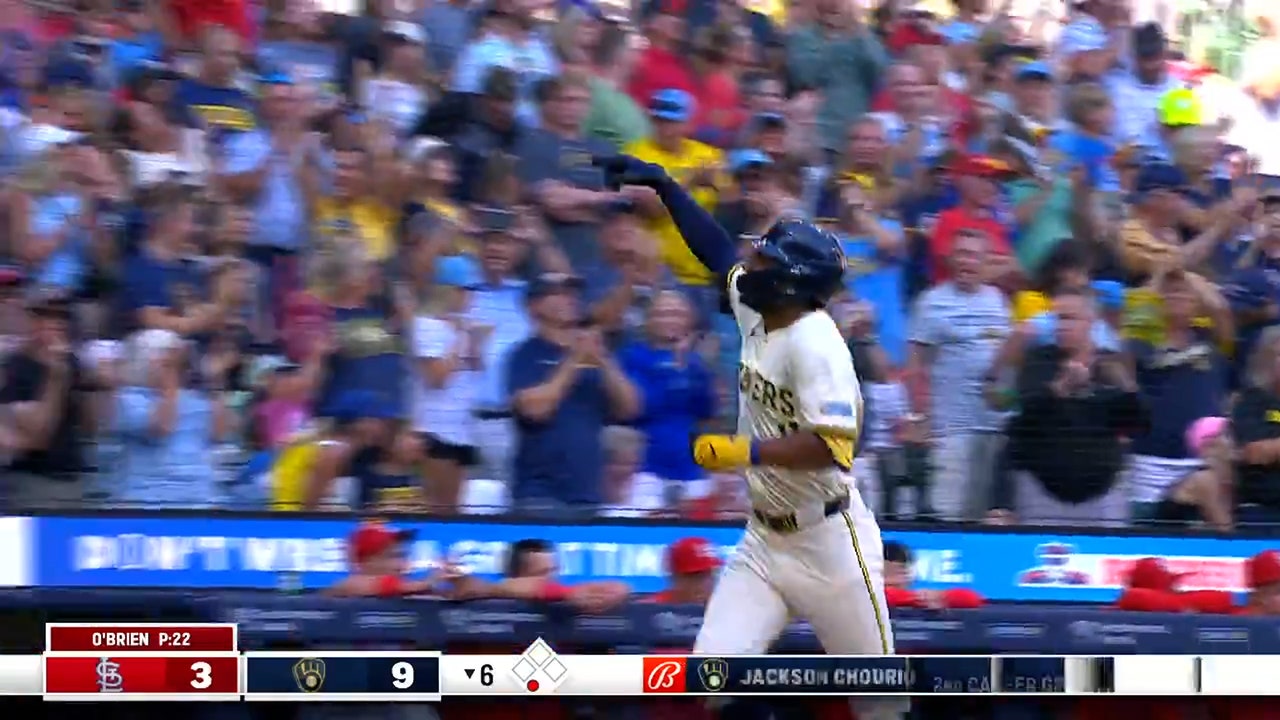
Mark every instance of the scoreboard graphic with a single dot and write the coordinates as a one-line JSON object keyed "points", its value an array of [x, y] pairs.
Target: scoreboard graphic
{"points": [[204, 662]]}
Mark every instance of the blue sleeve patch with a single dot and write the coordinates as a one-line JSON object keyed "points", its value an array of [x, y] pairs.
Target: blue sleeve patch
{"points": [[838, 409]]}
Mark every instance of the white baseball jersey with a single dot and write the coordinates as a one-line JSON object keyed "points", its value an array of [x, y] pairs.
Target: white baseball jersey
{"points": [[800, 377]]}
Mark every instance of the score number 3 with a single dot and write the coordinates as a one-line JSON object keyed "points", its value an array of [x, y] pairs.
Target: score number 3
{"points": [[203, 675]]}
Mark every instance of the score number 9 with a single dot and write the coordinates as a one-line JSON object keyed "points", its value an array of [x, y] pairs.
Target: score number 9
{"points": [[402, 676]]}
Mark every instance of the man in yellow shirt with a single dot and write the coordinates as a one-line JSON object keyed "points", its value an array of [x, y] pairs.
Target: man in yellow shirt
{"points": [[696, 166]]}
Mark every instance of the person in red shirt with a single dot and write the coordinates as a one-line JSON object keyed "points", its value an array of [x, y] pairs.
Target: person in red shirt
{"points": [[897, 585], [661, 66], [975, 179], [379, 565], [1152, 587], [1262, 573], [191, 17], [531, 576], [692, 564]]}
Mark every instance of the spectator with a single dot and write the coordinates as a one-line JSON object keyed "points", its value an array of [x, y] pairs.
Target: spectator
{"points": [[897, 585], [975, 179], [959, 326], [754, 202], [626, 491], [874, 249], [507, 39], [1138, 93], [486, 127], [214, 97], [1207, 494], [719, 54], [1152, 587], [367, 353], [352, 205], [866, 162], [281, 411], [395, 480], [169, 425], [555, 166], [1258, 486], [1149, 240], [380, 568], [1262, 575], [677, 394], [161, 290], [565, 386], [1180, 380], [1079, 402], [841, 57], [294, 44], [261, 171], [41, 394], [447, 348], [531, 575], [614, 117], [398, 95], [320, 468], [692, 566], [661, 66], [631, 282]]}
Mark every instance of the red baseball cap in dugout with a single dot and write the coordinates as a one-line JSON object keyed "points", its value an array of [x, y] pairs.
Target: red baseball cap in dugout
{"points": [[1262, 569], [692, 555], [1151, 573], [375, 538]]}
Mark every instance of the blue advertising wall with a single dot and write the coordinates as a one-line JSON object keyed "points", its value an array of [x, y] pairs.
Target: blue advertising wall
{"points": [[231, 552]]}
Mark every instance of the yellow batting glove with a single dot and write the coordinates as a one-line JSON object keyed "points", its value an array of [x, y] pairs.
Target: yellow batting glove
{"points": [[718, 453]]}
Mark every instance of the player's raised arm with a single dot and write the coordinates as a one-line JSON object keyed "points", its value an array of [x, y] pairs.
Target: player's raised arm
{"points": [[708, 242]]}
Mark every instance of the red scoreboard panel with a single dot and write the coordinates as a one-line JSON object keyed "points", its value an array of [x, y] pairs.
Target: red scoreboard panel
{"points": [[142, 662]]}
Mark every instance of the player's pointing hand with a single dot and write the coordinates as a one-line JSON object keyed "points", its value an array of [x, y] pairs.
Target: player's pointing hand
{"points": [[718, 453], [622, 170]]}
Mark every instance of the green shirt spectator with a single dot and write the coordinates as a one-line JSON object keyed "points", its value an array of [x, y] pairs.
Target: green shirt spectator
{"points": [[613, 116], [1047, 227]]}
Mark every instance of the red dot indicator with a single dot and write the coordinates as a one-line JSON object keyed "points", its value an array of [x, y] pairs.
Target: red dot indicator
{"points": [[532, 685]]}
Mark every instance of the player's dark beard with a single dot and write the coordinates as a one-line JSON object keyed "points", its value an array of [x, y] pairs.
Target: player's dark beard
{"points": [[757, 291]]}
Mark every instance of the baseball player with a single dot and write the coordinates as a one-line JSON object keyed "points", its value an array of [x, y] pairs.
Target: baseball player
{"points": [[811, 547]]}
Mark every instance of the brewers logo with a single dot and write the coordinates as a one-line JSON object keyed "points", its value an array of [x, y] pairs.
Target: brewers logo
{"points": [[713, 672], [309, 674]]}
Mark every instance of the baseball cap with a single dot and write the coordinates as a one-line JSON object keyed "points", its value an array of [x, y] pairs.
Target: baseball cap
{"points": [[1155, 176], [770, 119], [375, 538], [748, 159], [672, 105], [457, 271], [501, 84], [405, 30], [546, 283], [1149, 41], [1033, 70], [11, 275], [1262, 569], [980, 166], [690, 556], [1203, 430], [1179, 107], [1152, 574], [1108, 293]]}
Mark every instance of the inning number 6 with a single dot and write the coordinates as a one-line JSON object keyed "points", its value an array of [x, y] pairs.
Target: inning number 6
{"points": [[402, 676], [204, 675]]}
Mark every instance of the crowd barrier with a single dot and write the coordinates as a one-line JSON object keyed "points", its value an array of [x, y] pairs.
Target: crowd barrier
{"points": [[270, 620], [242, 551]]}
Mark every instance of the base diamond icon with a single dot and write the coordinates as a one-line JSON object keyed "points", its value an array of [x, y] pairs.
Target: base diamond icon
{"points": [[538, 668]]}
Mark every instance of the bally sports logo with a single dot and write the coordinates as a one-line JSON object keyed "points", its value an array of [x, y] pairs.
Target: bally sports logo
{"points": [[665, 674]]}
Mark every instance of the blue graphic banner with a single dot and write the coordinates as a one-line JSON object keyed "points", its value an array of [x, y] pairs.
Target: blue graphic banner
{"points": [[231, 552]]}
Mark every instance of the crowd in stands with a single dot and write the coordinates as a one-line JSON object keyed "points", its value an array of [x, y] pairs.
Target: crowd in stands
{"points": [[267, 256]]}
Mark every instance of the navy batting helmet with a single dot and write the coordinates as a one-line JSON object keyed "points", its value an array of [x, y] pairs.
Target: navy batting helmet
{"points": [[803, 265]]}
